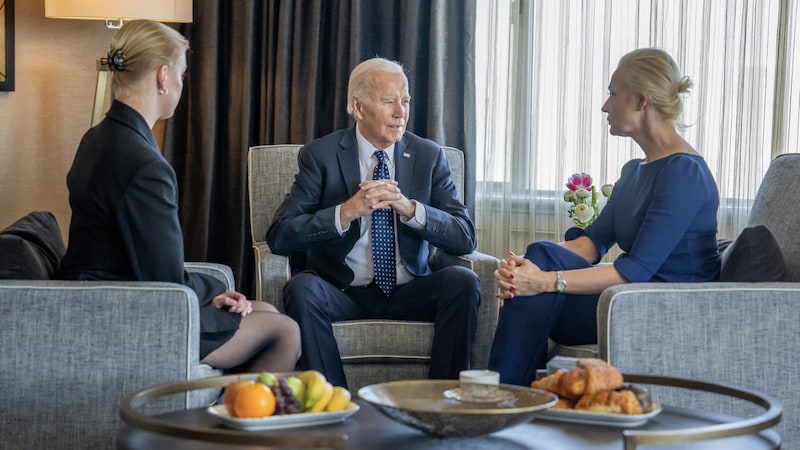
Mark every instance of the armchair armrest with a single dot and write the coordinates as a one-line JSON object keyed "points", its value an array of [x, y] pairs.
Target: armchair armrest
{"points": [[272, 272], [742, 334], [634, 321], [104, 340], [484, 265], [221, 272]]}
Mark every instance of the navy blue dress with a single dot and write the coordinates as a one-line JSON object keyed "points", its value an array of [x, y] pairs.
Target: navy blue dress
{"points": [[663, 216]]}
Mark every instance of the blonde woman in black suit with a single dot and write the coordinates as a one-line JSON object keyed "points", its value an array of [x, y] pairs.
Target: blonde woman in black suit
{"points": [[124, 200]]}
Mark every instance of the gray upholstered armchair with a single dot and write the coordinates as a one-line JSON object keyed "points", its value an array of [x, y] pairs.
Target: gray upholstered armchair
{"points": [[372, 350], [742, 333], [70, 351]]}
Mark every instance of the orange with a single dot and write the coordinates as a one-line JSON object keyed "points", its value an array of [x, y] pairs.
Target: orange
{"points": [[231, 391], [254, 400]]}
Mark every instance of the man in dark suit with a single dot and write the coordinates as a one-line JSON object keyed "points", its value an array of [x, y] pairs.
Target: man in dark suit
{"points": [[376, 173]]}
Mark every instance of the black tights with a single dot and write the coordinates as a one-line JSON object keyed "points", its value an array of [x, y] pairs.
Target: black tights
{"points": [[265, 341]]}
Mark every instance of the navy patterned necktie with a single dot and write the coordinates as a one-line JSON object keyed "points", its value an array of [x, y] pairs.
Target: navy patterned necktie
{"points": [[383, 235]]}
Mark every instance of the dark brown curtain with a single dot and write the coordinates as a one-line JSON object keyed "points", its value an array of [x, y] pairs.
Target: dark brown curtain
{"points": [[273, 72]]}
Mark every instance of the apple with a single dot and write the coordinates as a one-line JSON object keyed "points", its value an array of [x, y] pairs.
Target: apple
{"points": [[267, 378]]}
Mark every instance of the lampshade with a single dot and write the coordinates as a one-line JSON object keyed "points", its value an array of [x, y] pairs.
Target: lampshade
{"points": [[160, 10]]}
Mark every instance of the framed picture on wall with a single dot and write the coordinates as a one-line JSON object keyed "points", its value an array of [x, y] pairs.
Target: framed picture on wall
{"points": [[6, 45]]}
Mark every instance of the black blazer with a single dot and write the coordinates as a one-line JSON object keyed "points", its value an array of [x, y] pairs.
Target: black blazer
{"points": [[125, 226], [329, 175]]}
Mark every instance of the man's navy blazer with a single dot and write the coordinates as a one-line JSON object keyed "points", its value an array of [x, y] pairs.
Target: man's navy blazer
{"points": [[329, 175]]}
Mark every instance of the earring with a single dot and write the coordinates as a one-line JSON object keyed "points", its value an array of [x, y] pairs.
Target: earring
{"points": [[163, 91]]}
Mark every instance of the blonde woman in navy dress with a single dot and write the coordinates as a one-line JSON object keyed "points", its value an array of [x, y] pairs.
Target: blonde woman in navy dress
{"points": [[662, 214]]}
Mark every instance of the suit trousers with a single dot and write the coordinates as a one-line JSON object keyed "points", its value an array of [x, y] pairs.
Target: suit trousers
{"points": [[448, 297], [525, 323]]}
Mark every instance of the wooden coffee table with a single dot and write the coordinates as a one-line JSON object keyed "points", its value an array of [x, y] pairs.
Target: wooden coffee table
{"points": [[369, 429]]}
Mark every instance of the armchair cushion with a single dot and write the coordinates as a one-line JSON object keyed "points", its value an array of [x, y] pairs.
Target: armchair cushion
{"points": [[754, 256], [391, 340]]}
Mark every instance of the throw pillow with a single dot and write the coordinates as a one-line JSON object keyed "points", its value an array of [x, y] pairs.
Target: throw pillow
{"points": [[754, 256], [31, 248], [21, 260]]}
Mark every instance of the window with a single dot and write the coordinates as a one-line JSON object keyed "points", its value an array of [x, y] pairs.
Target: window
{"points": [[543, 70]]}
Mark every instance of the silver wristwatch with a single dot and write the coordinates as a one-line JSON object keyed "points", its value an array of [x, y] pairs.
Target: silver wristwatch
{"points": [[561, 285]]}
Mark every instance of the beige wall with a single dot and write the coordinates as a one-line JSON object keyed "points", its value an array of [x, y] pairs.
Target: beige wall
{"points": [[42, 121]]}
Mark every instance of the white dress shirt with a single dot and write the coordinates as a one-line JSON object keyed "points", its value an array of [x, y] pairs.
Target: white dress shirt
{"points": [[360, 257]]}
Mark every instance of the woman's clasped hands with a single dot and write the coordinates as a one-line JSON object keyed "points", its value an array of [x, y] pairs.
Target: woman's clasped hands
{"points": [[518, 276]]}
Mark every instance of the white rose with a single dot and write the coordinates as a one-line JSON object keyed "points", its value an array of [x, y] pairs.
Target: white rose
{"points": [[569, 196], [583, 193], [583, 212], [606, 190]]}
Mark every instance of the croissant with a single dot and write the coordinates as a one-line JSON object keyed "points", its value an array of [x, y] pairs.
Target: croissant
{"points": [[550, 383], [564, 403], [589, 376], [594, 385], [614, 402]]}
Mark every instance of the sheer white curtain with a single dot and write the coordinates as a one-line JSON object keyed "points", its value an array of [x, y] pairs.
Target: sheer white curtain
{"points": [[544, 67]]}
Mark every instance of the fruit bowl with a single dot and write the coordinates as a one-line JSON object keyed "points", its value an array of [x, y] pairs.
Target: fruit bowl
{"points": [[282, 422], [425, 405]]}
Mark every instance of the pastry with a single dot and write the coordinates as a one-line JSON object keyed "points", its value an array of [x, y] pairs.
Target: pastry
{"points": [[589, 376], [564, 403], [610, 402], [550, 383], [642, 394], [594, 385]]}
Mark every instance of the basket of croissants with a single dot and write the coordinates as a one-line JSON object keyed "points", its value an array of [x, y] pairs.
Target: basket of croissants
{"points": [[593, 385]]}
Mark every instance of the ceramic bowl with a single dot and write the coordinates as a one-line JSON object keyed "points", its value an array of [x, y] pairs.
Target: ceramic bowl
{"points": [[434, 407]]}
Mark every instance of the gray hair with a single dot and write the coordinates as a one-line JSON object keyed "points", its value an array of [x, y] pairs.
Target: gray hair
{"points": [[360, 78]]}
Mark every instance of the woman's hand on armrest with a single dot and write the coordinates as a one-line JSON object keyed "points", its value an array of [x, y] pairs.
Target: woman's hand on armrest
{"points": [[236, 302]]}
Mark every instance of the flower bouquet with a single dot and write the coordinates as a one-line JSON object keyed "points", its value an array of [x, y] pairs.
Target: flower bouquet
{"points": [[582, 195]]}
